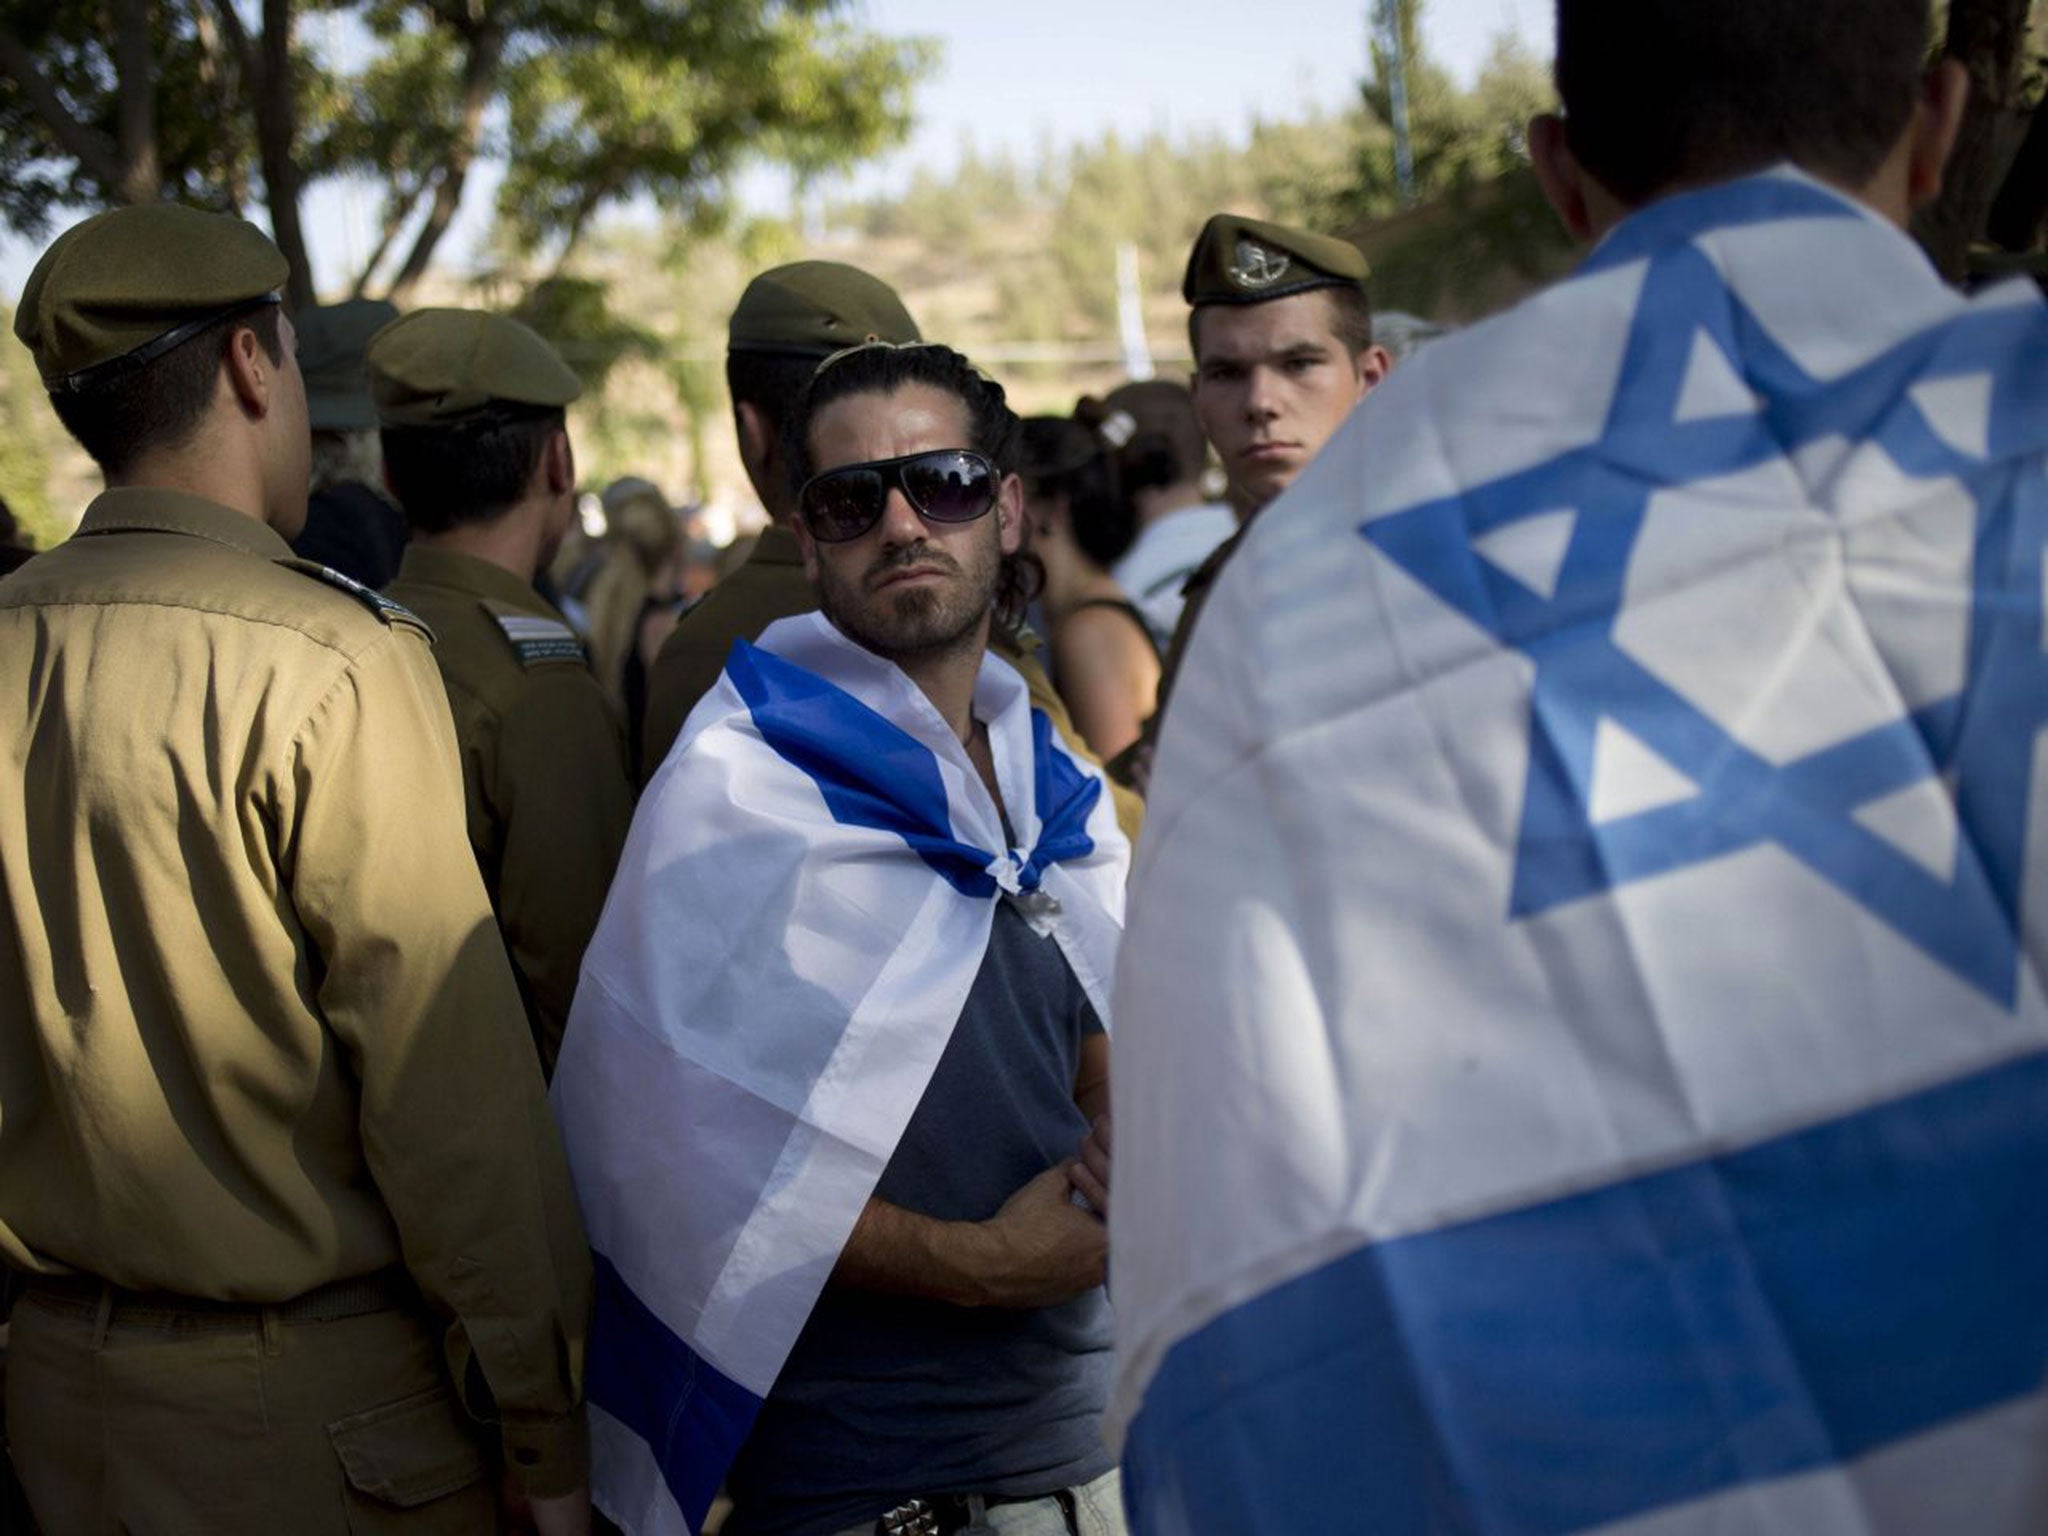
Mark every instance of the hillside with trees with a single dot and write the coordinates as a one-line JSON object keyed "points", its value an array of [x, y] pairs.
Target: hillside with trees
{"points": [[618, 234]]}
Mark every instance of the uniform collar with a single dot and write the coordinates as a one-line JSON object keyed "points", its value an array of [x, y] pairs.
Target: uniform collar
{"points": [[466, 573], [153, 509]]}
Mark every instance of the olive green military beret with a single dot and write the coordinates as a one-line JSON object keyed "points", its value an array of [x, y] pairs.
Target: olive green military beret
{"points": [[332, 341], [1248, 261], [816, 308], [126, 286], [435, 367]]}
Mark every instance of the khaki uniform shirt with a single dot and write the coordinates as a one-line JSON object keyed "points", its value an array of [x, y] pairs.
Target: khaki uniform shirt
{"points": [[543, 766], [771, 585], [257, 1032]]}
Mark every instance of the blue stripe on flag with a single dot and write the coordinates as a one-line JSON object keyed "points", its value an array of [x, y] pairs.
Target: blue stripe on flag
{"points": [[1741, 1318], [692, 1417], [1066, 799], [871, 772]]}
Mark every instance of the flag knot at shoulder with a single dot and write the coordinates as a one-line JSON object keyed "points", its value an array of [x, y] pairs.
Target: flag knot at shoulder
{"points": [[873, 773]]}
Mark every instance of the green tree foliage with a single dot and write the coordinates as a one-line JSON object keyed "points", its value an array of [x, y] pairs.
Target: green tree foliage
{"points": [[26, 432], [104, 103], [109, 101], [576, 315], [1046, 232], [1480, 232]]}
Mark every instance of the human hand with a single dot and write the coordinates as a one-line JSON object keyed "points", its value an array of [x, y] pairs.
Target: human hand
{"points": [[1042, 1248], [1089, 1172]]}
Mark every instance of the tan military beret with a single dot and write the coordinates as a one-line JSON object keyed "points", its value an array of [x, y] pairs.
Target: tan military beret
{"points": [[435, 367], [1248, 261], [332, 341], [126, 286], [816, 308]]}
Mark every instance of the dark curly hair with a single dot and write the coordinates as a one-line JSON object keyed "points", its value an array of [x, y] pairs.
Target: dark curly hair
{"points": [[882, 368]]}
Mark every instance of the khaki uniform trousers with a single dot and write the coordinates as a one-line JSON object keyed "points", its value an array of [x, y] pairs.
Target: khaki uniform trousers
{"points": [[140, 1419]]}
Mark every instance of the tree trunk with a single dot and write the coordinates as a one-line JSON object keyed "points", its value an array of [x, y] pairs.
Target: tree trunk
{"points": [[398, 208], [593, 198], [1988, 38], [142, 179], [220, 76], [2020, 215], [479, 83], [276, 138]]}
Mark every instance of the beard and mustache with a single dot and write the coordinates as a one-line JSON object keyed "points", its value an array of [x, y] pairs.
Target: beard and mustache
{"points": [[902, 622]]}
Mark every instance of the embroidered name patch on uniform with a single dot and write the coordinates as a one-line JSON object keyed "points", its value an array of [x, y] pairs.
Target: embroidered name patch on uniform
{"points": [[539, 640]]}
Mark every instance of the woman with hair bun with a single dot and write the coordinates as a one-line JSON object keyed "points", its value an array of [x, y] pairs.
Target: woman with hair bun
{"points": [[1104, 661]]}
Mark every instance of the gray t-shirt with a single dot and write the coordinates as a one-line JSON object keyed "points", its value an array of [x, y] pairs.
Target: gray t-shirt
{"points": [[885, 1398]]}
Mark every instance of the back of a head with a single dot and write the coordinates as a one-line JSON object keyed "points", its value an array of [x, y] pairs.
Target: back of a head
{"points": [[333, 341], [792, 318], [1064, 456], [1165, 446], [1662, 94], [467, 402], [639, 519], [128, 314]]}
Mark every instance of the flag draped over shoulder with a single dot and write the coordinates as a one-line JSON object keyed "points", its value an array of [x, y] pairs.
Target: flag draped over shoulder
{"points": [[804, 900], [1582, 1056]]}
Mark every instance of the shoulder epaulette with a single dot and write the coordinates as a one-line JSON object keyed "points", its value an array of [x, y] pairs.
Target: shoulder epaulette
{"points": [[536, 639], [369, 597]]}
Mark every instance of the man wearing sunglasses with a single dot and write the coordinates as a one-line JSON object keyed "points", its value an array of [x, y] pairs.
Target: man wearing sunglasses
{"points": [[853, 977], [789, 320]]}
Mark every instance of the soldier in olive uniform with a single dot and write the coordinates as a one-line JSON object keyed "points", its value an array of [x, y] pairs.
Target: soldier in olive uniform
{"points": [[1281, 330], [788, 321], [278, 1181], [477, 451], [351, 525]]}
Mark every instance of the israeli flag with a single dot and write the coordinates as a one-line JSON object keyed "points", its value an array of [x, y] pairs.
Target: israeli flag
{"points": [[1583, 1062], [799, 914]]}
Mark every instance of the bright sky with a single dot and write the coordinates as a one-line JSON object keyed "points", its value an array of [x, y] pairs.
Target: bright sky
{"points": [[1012, 76]]}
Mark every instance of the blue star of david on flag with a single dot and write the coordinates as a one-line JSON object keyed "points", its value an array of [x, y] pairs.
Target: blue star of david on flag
{"points": [[1980, 742]]}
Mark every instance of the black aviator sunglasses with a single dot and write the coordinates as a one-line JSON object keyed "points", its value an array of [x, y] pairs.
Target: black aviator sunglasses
{"points": [[943, 485]]}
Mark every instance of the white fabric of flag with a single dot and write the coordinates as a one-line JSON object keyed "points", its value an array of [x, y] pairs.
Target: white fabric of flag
{"points": [[803, 902], [1583, 1060]]}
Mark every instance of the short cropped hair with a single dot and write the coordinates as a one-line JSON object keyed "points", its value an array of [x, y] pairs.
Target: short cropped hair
{"points": [[159, 405], [471, 471], [768, 381], [1663, 93], [1350, 319]]}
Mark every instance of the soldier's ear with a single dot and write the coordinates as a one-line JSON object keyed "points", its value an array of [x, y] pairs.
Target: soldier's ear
{"points": [[756, 436], [251, 374], [558, 464], [1937, 118], [1558, 170]]}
